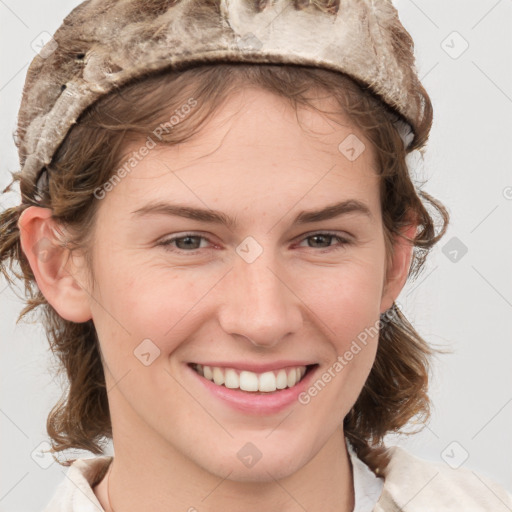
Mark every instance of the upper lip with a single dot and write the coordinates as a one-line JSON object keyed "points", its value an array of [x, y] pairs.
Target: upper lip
{"points": [[254, 367]]}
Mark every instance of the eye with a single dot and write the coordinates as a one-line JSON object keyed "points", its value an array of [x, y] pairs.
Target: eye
{"points": [[188, 242], [325, 239], [191, 242]]}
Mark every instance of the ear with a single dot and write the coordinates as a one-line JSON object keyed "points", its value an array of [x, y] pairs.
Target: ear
{"points": [[59, 280], [398, 266]]}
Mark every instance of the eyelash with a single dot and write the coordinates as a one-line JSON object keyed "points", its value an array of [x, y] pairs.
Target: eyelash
{"points": [[167, 243]]}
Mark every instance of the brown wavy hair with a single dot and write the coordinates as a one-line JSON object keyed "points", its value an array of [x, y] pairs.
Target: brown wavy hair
{"points": [[396, 389]]}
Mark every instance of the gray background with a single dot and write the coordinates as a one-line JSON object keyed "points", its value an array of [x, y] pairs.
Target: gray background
{"points": [[461, 300]]}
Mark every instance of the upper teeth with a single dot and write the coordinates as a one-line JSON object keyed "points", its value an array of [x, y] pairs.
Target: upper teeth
{"points": [[250, 381]]}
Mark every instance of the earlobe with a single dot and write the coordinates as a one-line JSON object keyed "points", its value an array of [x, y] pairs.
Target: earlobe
{"points": [[60, 281], [399, 267]]}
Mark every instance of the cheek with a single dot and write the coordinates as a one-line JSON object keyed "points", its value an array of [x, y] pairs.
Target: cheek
{"points": [[137, 301], [348, 313], [346, 298], [347, 309]]}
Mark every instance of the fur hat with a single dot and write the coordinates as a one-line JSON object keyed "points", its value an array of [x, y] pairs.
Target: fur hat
{"points": [[103, 44]]}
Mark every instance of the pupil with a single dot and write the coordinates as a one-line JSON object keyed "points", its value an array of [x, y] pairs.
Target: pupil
{"points": [[187, 238], [325, 237]]}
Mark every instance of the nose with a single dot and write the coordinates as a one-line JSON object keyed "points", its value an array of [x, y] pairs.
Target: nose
{"points": [[258, 302]]}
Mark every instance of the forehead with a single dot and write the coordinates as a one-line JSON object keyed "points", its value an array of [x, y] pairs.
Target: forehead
{"points": [[256, 146]]}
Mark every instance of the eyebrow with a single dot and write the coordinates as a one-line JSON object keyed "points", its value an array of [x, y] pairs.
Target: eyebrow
{"points": [[216, 217]]}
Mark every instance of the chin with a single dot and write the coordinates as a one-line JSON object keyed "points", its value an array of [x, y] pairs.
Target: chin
{"points": [[261, 472]]}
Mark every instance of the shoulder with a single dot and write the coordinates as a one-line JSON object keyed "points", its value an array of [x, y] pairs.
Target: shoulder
{"points": [[415, 484], [76, 492]]}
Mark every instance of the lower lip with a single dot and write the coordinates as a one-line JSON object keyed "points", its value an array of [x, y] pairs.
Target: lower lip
{"points": [[252, 403]]}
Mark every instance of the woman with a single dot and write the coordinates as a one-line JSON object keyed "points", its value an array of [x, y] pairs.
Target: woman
{"points": [[180, 163]]}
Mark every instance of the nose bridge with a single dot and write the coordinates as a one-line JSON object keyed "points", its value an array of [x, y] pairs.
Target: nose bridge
{"points": [[257, 301]]}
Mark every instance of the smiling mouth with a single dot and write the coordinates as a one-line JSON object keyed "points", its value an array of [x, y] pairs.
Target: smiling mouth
{"points": [[251, 382]]}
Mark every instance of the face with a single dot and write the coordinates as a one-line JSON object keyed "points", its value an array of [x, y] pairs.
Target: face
{"points": [[254, 285]]}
